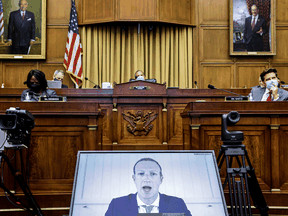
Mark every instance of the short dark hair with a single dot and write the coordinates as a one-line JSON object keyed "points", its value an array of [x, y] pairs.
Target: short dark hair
{"points": [[40, 76], [137, 71], [267, 71], [148, 159]]}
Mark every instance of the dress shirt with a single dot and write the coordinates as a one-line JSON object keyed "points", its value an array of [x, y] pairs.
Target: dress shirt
{"points": [[266, 95], [141, 209], [256, 18]]}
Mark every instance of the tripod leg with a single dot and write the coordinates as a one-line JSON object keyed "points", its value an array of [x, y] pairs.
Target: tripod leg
{"points": [[235, 194], [230, 187], [243, 195], [19, 178], [247, 188]]}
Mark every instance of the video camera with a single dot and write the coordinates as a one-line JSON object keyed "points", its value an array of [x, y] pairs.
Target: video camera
{"points": [[231, 137], [18, 125]]}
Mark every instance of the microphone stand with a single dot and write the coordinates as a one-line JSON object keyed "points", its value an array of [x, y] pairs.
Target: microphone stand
{"points": [[96, 86], [213, 87]]}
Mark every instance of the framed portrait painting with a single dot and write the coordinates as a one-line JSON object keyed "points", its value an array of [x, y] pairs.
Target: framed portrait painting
{"points": [[252, 27], [23, 29]]}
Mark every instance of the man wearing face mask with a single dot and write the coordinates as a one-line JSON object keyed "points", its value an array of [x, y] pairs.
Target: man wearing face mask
{"points": [[37, 85], [147, 176], [140, 76], [59, 76], [270, 91], [21, 29]]}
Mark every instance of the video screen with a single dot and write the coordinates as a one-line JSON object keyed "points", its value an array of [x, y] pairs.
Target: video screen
{"points": [[134, 182]]}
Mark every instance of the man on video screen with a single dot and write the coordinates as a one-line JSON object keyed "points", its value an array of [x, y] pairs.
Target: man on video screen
{"points": [[147, 176]]}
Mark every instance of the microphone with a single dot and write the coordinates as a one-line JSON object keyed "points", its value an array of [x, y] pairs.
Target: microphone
{"points": [[282, 82], [96, 86], [195, 82], [213, 87]]}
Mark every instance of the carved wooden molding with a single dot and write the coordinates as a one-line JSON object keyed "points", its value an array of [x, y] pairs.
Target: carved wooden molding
{"points": [[139, 124]]}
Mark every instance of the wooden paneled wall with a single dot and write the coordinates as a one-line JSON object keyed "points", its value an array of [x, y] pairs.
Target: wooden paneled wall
{"points": [[211, 60], [172, 11]]}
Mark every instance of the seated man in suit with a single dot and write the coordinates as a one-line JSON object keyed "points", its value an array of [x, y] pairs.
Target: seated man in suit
{"points": [[139, 75], [270, 91], [59, 76], [147, 178]]}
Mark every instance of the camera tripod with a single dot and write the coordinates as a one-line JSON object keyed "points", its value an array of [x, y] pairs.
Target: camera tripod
{"points": [[32, 206], [240, 191]]}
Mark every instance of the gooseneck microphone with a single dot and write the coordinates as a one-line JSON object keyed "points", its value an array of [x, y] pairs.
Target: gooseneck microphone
{"points": [[213, 87], [96, 86], [195, 82]]}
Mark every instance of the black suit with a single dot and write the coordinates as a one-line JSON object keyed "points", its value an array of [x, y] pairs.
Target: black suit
{"points": [[20, 31], [253, 40]]}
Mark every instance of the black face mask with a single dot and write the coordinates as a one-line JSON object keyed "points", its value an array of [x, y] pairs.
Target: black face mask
{"points": [[35, 87]]}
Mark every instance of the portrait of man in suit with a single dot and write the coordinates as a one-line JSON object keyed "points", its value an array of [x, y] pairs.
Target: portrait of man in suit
{"points": [[252, 27], [21, 29], [254, 30], [147, 176]]}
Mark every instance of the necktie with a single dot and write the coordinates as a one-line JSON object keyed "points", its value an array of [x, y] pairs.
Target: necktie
{"points": [[148, 208], [269, 98], [23, 15], [253, 23]]}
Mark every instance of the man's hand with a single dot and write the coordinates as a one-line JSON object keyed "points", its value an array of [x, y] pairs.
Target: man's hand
{"points": [[274, 91], [260, 31], [31, 43], [9, 43]]}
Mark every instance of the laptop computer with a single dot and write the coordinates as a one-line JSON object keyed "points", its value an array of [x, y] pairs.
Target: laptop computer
{"points": [[54, 84]]}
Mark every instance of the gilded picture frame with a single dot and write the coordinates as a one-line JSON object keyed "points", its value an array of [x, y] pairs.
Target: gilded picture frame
{"points": [[252, 27], [33, 23]]}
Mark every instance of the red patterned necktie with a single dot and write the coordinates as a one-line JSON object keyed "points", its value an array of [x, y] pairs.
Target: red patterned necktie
{"points": [[23, 16], [269, 98], [253, 23]]}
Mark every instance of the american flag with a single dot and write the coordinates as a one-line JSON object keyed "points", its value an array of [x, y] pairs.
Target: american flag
{"points": [[1, 19], [72, 57]]}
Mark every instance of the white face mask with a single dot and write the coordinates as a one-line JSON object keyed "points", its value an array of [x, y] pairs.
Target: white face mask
{"points": [[271, 83], [140, 78]]}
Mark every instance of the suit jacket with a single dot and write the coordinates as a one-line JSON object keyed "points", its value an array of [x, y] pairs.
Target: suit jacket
{"points": [[21, 31], [35, 96], [257, 93], [251, 36], [127, 206]]}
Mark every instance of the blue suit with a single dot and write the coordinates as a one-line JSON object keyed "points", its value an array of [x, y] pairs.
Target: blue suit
{"points": [[21, 31], [127, 206]]}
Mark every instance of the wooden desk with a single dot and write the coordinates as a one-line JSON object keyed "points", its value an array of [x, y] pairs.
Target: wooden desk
{"points": [[61, 130], [168, 103], [265, 128]]}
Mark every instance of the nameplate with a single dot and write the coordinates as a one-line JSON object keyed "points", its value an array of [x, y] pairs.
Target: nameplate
{"points": [[231, 98], [140, 87], [53, 99]]}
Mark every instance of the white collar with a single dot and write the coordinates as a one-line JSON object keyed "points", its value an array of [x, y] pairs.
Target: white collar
{"points": [[155, 203], [256, 17]]}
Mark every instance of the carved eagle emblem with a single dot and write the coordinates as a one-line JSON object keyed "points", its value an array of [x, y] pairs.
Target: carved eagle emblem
{"points": [[139, 124]]}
